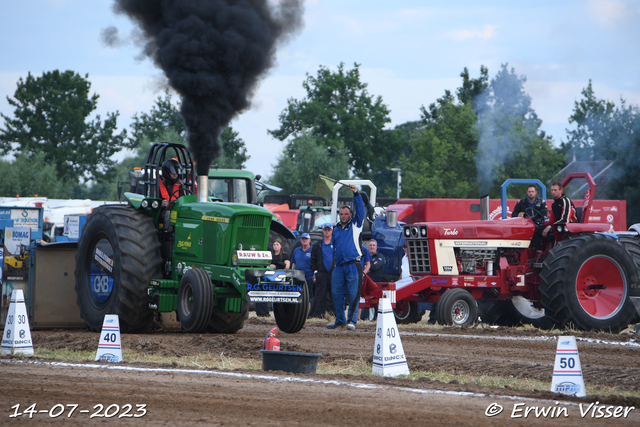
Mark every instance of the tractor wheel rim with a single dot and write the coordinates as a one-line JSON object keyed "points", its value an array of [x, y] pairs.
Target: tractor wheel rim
{"points": [[402, 310], [601, 287], [187, 300], [460, 312]]}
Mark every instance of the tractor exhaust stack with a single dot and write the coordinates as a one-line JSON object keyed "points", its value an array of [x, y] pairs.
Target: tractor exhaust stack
{"points": [[203, 188], [484, 208]]}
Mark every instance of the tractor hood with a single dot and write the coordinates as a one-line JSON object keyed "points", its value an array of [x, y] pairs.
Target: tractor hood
{"points": [[519, 229], [189, 208]]}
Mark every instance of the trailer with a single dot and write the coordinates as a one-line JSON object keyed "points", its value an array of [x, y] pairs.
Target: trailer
{"points": [[43, 271]]}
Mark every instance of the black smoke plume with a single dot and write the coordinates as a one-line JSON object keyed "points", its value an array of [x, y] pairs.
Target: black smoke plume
{"points": [[213, 53]]}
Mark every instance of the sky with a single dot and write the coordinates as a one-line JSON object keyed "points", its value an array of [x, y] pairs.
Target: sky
{"points": [[409, 53]]}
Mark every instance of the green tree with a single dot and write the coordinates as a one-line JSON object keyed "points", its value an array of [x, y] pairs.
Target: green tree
{"points": [[472, 88], [29, 176], [50, 116], [165, 124], [441, 158], [302, 160], [597, 127], [441, 163], [339, 112], [164, 116], [470, 142], [605, 131], [234, 150]]}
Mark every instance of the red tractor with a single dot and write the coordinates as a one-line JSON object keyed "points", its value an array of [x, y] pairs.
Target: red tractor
{"points": [[586, 277]]}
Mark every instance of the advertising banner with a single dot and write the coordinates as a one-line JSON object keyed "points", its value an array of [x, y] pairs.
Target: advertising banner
{"points": [[15, 264]]}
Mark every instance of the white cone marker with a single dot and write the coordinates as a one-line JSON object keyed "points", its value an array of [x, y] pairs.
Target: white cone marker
{"points": [[109, 348], [16, 338], [567, 371], [388, 355]]}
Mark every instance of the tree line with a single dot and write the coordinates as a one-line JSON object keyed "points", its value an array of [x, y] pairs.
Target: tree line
{"points": [[464, 145], [60, 152]]}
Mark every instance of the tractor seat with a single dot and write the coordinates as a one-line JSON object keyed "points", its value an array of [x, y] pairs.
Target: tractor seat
{"points": [[579, 213]]}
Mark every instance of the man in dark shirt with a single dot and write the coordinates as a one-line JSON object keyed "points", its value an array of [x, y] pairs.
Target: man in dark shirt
{"points": [[531, 201], [322, 267], [301, 258], [376, 271], [536, 205]]}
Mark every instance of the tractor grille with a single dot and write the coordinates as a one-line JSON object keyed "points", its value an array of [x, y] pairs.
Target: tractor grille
{"points": [[419, 256], [254, 221]]}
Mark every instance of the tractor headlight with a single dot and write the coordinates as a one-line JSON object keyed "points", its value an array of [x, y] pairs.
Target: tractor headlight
{"points": [[414, 232], [423, 231], [145, 204], [155, 204], [407, 232]]}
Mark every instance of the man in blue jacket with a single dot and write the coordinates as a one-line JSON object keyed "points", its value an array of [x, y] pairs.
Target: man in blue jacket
{"points": [[348, 270]]}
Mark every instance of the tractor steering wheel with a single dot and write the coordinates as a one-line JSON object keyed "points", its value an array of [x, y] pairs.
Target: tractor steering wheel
{"points": [[535, 215], [187, 192]]}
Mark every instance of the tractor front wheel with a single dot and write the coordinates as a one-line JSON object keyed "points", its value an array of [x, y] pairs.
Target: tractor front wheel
{"points": [[228, 323], [456, 307], [512, 312], [494, 312], [407, 312], [521, 310], [195, 300], [290, 318]]}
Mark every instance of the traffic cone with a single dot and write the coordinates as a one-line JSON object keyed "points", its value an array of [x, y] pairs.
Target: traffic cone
{"points": [[388, 355], [16, 338], [567, 372], [109, 348]]}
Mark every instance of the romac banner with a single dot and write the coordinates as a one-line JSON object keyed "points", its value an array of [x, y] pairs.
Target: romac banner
{"points": [[15, 263]]}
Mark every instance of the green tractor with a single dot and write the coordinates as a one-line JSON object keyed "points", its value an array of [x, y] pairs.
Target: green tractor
{"points": [[203, 258]]}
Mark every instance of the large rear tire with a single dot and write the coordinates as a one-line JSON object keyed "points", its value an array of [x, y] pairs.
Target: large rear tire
{"points": [[407, 312], [195, 300], [228, 323], [585, 282], [456, 307], [118, 254], [632, 245], [290, 318]]}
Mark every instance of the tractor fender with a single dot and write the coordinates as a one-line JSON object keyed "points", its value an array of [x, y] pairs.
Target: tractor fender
{"points": [[282, 230], [635, 227]]}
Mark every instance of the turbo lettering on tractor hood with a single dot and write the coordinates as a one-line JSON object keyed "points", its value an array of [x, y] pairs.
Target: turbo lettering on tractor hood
{"points": [[512, 229]]}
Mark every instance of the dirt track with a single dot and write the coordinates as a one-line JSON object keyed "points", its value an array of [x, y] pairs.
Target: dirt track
{"points": [[174, 396]]}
